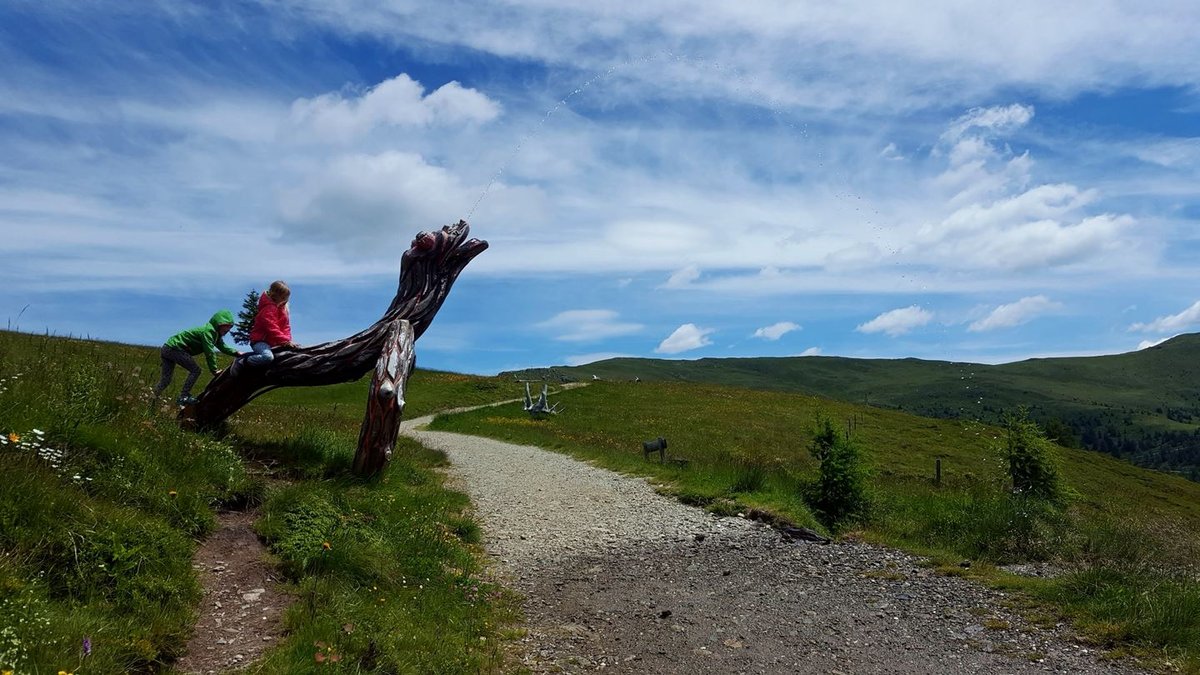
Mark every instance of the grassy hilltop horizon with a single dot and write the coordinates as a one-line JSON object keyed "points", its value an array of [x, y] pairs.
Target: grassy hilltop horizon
{"points": [[1142, 406]]}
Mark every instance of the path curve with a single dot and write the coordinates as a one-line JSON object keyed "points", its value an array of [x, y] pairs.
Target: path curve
{"points": [[616, 576]]}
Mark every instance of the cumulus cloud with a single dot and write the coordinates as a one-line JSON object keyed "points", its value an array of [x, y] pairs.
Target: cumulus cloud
{"points": [[897, 322], [1172, 323], [776, 330], [400, 101], [811, 351], [583, 325], [995, 227], [687, 337], [1016, 313]]}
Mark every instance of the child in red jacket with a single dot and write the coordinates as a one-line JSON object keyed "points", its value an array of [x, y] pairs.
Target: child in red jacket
{"points": [[272, 325]]}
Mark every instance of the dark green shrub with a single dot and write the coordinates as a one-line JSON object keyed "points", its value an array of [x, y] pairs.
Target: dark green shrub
{"points": [[1029, 459], [839, 494]]}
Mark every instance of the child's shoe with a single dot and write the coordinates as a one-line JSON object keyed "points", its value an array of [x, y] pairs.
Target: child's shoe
{"points": [[187, 400]]}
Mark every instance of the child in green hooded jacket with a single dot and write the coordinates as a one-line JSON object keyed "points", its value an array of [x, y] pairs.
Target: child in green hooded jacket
{"points": [[182, 346]]}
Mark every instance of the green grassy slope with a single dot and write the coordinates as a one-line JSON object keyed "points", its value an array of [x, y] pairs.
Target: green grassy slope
{"points": [[1143, 406], [105, 497]]}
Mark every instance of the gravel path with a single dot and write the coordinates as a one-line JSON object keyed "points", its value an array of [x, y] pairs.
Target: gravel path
{"points": [[620, 578]]}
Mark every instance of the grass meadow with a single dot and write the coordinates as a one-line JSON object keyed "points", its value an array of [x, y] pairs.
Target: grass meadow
{"points": [[105, 498]]}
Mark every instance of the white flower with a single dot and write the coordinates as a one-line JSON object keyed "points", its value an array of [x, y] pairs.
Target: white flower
{"points": [[39, 432]]}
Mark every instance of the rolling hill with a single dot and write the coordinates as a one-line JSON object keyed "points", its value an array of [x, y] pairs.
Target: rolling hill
{"points": [[1142, 406]]}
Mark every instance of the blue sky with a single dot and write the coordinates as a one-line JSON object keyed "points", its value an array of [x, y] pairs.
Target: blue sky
{"points": [[977, 181]]}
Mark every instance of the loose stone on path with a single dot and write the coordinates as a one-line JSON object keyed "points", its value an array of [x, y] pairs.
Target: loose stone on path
{"points": [[241, 615], [616, 576]]}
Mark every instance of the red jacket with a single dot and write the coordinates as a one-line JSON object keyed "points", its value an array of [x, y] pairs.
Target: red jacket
{"points": [[272, 324]]}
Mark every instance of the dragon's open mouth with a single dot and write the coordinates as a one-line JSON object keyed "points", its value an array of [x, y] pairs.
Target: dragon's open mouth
{"points": [[450, 244]]}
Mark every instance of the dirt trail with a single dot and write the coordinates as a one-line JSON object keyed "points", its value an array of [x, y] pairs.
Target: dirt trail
{"points": [[618, 577], [242, 610]]}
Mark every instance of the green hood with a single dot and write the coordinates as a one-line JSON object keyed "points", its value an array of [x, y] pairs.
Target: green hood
{"points": [[223, 316], [205, 339]]}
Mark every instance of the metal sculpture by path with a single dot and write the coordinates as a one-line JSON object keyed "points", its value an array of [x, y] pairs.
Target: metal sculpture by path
{"points": [[427, 271], [541, 406]]}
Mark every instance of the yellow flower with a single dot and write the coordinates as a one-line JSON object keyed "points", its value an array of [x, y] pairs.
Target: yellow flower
{"points": [[325, 546], [63, 672], [172, 493], [12, 437]]}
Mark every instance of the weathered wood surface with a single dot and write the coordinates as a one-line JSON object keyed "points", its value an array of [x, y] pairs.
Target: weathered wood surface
{"points": [[428, 269], [385, 400]]}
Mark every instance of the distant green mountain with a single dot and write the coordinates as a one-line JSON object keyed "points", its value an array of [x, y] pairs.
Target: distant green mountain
{"points": [[1143, 406]]}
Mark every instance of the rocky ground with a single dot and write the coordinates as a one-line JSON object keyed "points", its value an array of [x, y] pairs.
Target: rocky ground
{"points": [[241, 613], [620, 578]]}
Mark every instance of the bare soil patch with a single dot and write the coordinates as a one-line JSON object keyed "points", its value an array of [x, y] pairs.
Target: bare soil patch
{"points": [[241, 615]]}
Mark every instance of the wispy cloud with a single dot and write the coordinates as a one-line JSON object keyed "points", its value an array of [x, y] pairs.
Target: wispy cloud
{"points": [[776, 330], [687, 337], [1171, 323], [1016, 313], [1146, 344], [587, 325], [897, 321]]}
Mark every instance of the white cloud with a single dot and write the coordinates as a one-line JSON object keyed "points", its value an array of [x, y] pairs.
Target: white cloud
{"points": [[683, 278], [583, 359], [687, 337], [1172, 323], [360, 200], [890, 54], [994, 120], [1146, 344], [776, 330], [1040, 227], [1016, 313], [400, 101], [898, 321], [811, 351], [584, 325]]}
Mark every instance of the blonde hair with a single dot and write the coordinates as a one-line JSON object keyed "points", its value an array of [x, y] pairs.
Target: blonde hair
{"points": [[280, 293]]}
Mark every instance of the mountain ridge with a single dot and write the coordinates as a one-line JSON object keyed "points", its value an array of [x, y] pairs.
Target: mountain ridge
{"points": [[1143, 405]]}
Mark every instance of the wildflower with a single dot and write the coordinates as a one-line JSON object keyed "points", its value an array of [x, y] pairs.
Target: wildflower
{"points": [[39, 432], [87, 646], [172, 493], [13, 437], [326, 546]]}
